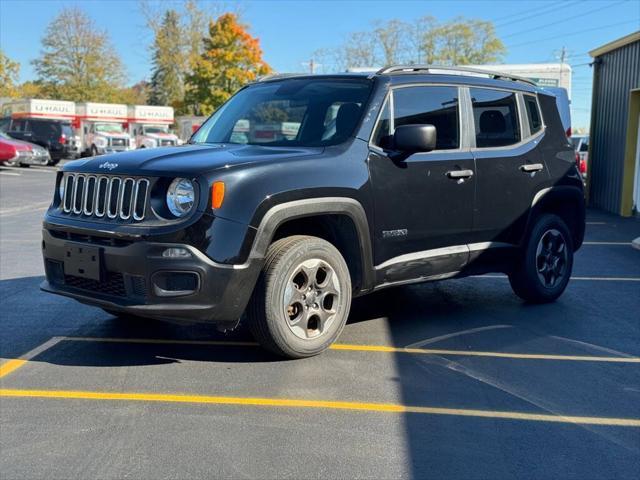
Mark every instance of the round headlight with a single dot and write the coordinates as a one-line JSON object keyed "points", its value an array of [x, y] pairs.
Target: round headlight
{"points": [[180, 197]]}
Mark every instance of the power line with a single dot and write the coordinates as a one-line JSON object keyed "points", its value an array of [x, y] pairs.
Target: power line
{"points": [[563, 20], [544, 11], [581, 32]]}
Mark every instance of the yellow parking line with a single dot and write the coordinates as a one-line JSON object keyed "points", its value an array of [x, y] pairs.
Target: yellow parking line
{"points": [[471, 353], [624, 244], [11, 366], [317, 404], [372, 348]]}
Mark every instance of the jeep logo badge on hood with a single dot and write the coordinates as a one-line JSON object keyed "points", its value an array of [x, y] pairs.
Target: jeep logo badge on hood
{"points": [[109, 166]]}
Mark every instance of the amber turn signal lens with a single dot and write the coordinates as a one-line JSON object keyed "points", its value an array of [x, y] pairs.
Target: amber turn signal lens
{"points": [[217, 194]]}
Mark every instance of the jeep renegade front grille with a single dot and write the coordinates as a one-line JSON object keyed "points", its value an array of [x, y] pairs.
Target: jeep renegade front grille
{"points": [[105, 196]]}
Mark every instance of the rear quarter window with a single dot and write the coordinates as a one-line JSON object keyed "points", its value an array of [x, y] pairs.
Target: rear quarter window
{"points": [[533, 114]]}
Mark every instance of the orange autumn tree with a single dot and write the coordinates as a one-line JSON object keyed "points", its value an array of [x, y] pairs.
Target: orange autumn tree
{"points": [[230, 59]]}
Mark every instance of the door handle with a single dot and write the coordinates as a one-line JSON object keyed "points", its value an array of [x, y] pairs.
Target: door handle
{"points": [[531, 167], [460, 174]]}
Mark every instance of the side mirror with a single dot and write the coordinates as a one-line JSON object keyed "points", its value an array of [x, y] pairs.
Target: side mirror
{"points": [[415, 138]]}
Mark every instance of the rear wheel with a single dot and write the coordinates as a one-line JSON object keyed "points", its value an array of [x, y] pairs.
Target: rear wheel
{"points": [[544, 268], [302, 298], [94, 151]]}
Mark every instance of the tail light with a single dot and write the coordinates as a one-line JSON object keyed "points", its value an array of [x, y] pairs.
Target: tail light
{"points": [[62, 139], [568, 132], [577, 160], [583, 166]]}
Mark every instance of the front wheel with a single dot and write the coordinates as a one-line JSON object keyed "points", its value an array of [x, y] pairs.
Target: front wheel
{"points": [[544, 268], [302, 299]]}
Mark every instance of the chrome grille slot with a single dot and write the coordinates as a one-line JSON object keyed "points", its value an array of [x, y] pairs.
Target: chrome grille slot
{"points": [[113, 197], [78, 191], [101, 196], [105, 196], [126, 194], [67, 202], [89, 196], [140, 198]]}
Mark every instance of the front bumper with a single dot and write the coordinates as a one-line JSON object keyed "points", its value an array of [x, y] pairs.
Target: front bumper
{"points": [[132, 270]]}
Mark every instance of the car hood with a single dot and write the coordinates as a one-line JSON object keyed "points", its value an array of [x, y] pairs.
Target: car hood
{"points": [[187, 160], [112, 135], [162, 135], [20, 145]]}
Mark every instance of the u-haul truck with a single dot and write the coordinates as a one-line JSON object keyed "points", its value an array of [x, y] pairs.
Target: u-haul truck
{"points": [[102, 128], [36, 108], [149, 126], [44, 122]]}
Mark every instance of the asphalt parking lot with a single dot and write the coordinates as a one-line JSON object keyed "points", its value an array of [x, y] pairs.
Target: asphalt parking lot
{"points": [[457, 379]]}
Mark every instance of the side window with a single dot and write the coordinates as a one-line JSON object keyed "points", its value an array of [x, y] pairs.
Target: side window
{"points": [[495, 115], [533, 114], [382, 134], [437, 106], [18, 125]]}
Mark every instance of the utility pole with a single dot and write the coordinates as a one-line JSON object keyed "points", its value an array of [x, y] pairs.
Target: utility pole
{"points": [[312, 65]]}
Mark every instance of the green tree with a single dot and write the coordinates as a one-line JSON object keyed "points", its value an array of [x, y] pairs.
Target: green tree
{"points": [[77, 61], [169, 63], [464, 42], [231, 57], [460, 41], [9, 71]]}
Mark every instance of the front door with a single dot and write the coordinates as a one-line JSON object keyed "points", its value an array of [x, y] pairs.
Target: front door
{"points": [[424, 201]]}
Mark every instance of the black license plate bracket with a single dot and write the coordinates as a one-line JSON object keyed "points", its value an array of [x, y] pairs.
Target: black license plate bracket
{"points": [[82, 261]]}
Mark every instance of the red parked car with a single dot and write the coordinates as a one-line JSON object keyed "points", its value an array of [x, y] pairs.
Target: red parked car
{"points": [[18, 153]]}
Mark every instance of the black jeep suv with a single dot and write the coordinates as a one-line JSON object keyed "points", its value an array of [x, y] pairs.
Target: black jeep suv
{"points": [[302, 192]]}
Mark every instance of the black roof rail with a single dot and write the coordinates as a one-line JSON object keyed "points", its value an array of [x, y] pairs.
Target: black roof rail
{"points": [[457, 70]]}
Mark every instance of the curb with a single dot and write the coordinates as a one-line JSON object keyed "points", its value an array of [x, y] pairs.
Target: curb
{"points": [[636, 243]]}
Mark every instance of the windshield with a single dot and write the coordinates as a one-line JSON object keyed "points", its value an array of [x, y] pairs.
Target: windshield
{"points": [[293, 112], [108, 127], [5, 136], [156, 129]]}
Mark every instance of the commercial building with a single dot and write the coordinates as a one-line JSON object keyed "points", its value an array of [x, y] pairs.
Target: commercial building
{"points": [[614, 161]]}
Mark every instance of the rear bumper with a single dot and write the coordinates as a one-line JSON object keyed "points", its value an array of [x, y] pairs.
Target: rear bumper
{"points": [[132, 281]]}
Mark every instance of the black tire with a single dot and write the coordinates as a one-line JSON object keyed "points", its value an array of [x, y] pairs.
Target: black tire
{"points": [[94, 151], [544, 267], [310, 324]]}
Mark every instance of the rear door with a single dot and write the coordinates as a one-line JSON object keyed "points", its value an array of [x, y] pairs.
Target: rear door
{"points": [[424, 201], [510, 169]]}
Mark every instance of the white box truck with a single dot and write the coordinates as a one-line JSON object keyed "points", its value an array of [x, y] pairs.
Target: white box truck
{"points": [[149, 126], [188, 125], [47, 123], [102, 128]]}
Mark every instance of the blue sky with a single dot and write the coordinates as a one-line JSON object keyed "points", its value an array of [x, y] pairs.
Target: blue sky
{"points": [[290, 31]]}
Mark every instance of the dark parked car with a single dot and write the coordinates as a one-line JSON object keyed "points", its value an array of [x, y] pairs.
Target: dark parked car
{"points": [[54, 135], [424, 176]]}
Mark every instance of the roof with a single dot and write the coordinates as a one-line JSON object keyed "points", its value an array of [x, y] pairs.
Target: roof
{"points": [[616, 44], [433, 71]]}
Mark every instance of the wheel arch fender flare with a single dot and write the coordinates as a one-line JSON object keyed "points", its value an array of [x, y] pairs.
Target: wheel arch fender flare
{"points": [[564, 196], [281, 213]]}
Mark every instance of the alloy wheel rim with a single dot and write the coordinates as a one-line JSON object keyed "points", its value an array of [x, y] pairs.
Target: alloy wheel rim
{"points": [[311, 298], [551, 258]]}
